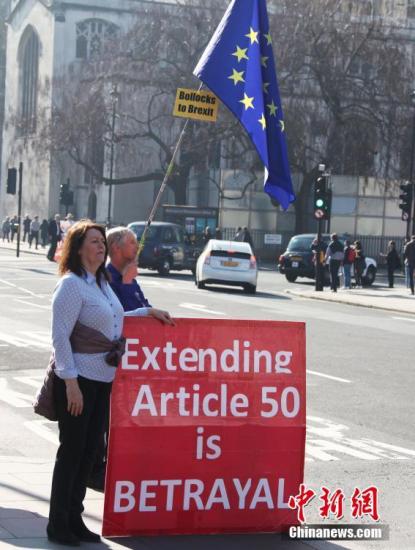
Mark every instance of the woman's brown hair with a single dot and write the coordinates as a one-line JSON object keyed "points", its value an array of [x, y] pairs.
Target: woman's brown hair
{"points": [[74, 239]]}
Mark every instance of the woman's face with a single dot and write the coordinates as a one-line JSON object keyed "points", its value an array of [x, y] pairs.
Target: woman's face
{"points": [[92, 251]]}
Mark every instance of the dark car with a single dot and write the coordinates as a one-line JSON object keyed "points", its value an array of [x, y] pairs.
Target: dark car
{"points": [[166, 247], [297, 260]]}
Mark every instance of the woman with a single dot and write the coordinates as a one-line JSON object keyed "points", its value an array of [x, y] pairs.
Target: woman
{"points": [[83, 380], [393, 261], [359, 263]]}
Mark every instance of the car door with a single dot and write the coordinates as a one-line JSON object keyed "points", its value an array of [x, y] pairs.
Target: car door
{"points": [[172, 247]]}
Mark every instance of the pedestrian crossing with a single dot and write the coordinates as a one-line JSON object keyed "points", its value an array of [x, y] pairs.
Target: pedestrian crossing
{"points": [[34, 339], [327, 441]]}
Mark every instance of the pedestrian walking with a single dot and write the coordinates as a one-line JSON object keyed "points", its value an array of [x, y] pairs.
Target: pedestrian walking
{"points": [[5, 229], [246, 237], [348, 260], [409, 254], [393, 261], [334, 257], [359, 264], [44, 232], [207, 235], [238, 235], [14, 227], [34, 232], [55, 234], [405, 263], [26, 227]]}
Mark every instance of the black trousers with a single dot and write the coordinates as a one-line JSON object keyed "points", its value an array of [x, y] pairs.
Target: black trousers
{"points": [[334, 274], [391, 271], [79, 438], [52, 248], [411, 277]]}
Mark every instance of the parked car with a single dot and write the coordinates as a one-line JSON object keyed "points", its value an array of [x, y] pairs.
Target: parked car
{"points": [[227, 263], [297, 260], [166, 247]]}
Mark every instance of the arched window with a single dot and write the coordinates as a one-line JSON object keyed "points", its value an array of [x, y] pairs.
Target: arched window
{"points": [[29, 75], [92, 35]]}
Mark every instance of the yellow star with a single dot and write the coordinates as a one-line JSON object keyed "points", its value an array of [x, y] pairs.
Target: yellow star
{"points": [[264, 61], [269, 39], [252, 35], [262, 121], [282, 125], [265, 87], [272, 108], [240, 53], [247, 101], [236, 77]]}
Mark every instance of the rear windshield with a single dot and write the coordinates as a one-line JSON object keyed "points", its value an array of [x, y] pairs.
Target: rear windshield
{"points": [[139, 230], [300, 244], [231, 254]]}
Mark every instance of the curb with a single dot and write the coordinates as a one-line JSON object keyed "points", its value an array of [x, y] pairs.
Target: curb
{"points": [[348, 302], [23, 250]]}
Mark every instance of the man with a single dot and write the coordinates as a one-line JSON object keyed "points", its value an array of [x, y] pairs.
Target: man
{"points": [[409, 255], [26, 227], [55, 234], [348, 260], [334, 257], [122, 251], [34, 232]]}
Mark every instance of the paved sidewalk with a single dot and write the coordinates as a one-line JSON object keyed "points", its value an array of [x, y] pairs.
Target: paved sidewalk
{"points": [[391, 299], [24, 248], [24, 504]]}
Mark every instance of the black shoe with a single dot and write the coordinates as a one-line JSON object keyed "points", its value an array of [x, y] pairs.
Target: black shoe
{"points": [[83, 533], [65, 536]]}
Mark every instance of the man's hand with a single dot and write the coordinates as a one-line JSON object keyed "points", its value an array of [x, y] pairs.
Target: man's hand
{"points": [[163, 316], [129, 273], [74, 397]]}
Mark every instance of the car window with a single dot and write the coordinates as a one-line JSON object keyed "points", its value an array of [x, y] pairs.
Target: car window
{"points": [[169, 236], [231, 254], [139, 230], [179, 235], [300, 244]]}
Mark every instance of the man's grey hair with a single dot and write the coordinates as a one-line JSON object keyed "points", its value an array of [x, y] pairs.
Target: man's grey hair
{"points": [[116, 235]]}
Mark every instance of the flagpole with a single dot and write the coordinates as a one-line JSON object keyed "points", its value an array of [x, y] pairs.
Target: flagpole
{"points": [[166, 178]]}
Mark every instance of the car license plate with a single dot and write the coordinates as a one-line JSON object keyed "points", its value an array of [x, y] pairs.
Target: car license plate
{"points": [[230, 263], [295, 264]]}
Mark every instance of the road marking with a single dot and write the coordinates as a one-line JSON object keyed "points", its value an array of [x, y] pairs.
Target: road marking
{"points": [[40, 427], [32, 304], [32, 381], [201, 307], [22, 289], [14, 398], [336, 378], [37, 339], [404, 319]]}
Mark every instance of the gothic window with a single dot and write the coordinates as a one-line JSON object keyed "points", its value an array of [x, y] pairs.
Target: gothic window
{"points": [[92, 35], [29, 74]]}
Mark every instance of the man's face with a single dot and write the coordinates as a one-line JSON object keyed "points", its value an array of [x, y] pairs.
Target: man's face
{"points": [[129, 247]]}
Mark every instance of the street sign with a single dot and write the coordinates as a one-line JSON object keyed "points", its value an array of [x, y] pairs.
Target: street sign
{"points": [[196, 104], [207, 428], [272, 238], [319, 214]]}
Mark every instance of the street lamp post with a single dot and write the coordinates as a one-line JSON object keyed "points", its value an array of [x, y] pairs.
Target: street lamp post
{"points": [[114, 97], [411, 216]]}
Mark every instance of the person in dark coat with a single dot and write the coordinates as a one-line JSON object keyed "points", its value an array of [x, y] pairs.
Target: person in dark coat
{"points": [[44, 232], [246, 237], [218, 234], [55, 234], [238, 234], [409, 255], [393, 261], [26, 227], [207, 235], [359, 264]]}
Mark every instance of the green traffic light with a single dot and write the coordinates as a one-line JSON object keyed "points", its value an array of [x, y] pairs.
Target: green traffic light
{"points": [[319, 203]]}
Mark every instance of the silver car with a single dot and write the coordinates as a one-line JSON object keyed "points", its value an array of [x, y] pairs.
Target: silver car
{"points": [[227, 263]]}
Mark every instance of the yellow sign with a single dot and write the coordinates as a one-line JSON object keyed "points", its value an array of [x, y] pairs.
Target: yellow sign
{"points": [[196, 104]]}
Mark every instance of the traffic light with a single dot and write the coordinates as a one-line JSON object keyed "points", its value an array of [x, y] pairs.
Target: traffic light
{"points": [[11, 181], [406, 200], [65, 195], [322, 198]]}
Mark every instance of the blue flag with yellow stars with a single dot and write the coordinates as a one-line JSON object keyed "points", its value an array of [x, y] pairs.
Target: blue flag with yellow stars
{"points": [[238, 66]]}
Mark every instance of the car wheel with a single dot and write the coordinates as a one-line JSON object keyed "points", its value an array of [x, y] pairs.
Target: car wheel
{"points": [[250, 289], [370, 276], [290, 277], [164, 268], [200, 285]]}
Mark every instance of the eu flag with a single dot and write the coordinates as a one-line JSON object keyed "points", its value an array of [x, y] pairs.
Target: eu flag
{"points": [[238, 66]]}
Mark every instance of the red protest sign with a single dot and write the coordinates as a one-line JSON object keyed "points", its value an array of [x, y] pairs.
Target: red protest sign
{"points": [[207, 428]]}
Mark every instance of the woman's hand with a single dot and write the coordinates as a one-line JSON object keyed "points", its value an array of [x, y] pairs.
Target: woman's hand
{"points": [[160, 315], [74, 397]]}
